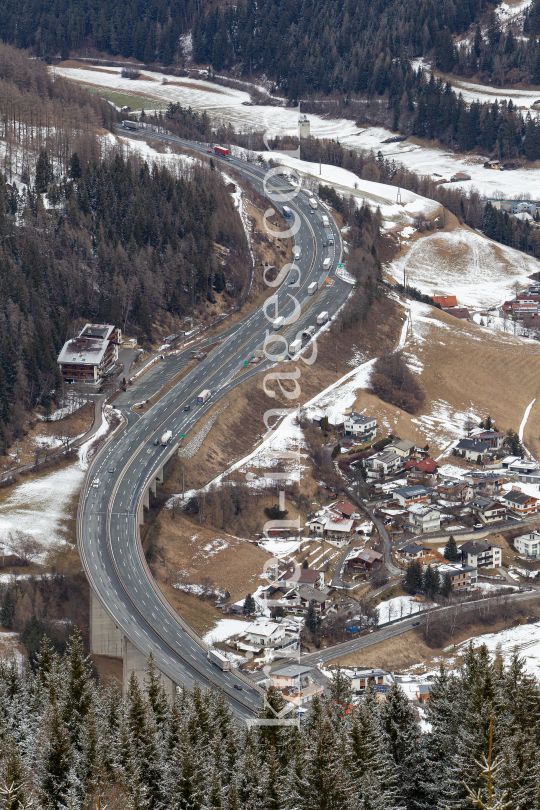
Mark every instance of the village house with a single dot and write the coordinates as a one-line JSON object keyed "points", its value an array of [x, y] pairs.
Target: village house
{"points": [[417, 470], [293, 675], [528, 544], [404, 448], [488, 510], [296, 575], [523, 466], [380, 679], [298, 599], [532, 477], [264, 634], [491, 437], [459, 312], [363, 559], [445, 301], [459, 176], [472, 449], [383, 463], [415, 551], [344, 508], [407, 496], [297, 684], [485, 481], [356, 424], [339, 531], [480, 554], [462, 575], [92, 355], [453, 490], [519, 503], [507, 461], [422, 519]]}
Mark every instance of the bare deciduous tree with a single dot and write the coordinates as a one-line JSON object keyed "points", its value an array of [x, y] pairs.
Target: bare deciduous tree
{"points": [[24, 545]]}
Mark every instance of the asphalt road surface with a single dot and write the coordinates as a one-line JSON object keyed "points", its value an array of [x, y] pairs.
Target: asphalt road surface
{"points": [[337, 650], [107, 526]]}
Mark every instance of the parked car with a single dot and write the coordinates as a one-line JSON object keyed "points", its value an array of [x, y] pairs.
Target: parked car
{"points": [[478, 527]]}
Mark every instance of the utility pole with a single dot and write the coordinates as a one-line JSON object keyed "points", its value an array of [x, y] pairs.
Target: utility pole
{"points": [[192, 298]]}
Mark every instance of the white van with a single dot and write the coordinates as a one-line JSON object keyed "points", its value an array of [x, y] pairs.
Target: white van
{"points": [[95, 482]]}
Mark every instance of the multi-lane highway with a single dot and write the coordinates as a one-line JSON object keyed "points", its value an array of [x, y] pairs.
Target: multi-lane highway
{"points": [[108, 520]]}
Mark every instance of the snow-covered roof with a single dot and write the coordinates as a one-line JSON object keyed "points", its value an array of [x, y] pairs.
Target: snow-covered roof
{"points": [[88, 347], [343, 525], [266, 629], [421, 510]]}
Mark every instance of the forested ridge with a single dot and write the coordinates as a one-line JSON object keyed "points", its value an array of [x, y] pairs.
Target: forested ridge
{"points": [[68, 743], [92, 234], [148, 31]]}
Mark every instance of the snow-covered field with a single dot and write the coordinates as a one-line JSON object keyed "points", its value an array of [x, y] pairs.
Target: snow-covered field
{"points": [[229, 106], [42, 507], [398, 608], [481, 273], [224, 629], [523, 639]]}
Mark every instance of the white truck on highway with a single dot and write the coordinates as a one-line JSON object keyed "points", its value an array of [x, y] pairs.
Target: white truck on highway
{"points": [[313, 287], [326, 264], [166, 438], [313, 203], [322, 318], [295, 347], [325, 221], [203, 396], [219, 660], [278, 323]]}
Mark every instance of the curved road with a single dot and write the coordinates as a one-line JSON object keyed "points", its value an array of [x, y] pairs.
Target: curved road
{"points": [[107, 525]]}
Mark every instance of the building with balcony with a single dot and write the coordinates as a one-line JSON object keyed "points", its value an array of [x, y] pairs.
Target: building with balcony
{"points": [[92, 355], [480, 554], [528, 544]]}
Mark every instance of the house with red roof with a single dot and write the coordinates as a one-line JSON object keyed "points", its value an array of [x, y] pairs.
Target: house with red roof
{"points": [[416, 470], [345, 508], [445, 301]]}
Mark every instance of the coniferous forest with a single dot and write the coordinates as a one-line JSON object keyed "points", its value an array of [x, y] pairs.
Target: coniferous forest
{"points": [[91, 233], [68, 744]]}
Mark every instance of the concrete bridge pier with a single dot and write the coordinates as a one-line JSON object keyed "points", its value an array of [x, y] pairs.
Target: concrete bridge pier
{"points": [[105, 637]]}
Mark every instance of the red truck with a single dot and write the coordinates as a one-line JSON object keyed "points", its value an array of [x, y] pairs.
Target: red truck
{"points": [[220, 150]]}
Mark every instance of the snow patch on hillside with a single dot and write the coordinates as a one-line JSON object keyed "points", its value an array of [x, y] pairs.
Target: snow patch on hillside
{"points": [[481, 273]]}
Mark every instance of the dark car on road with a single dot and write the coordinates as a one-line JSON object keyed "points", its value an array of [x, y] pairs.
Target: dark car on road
{"points": [[187, 407], [156, 441], [415, 624], [237, 686]]}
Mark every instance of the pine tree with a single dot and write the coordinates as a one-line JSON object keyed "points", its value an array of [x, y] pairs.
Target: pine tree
{"points": [[79, 685], [446, 585], [431, 582], [44, 173], [249, 605], [451, 551], [74, 168], [405, 745], [312, 620], [412, 582]]}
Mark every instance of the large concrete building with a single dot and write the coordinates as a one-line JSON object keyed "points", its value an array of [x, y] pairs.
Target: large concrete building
{"points": [[92, 355]]}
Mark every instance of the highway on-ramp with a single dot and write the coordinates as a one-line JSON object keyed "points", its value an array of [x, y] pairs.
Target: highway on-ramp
{"points": [[108, 519]]}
